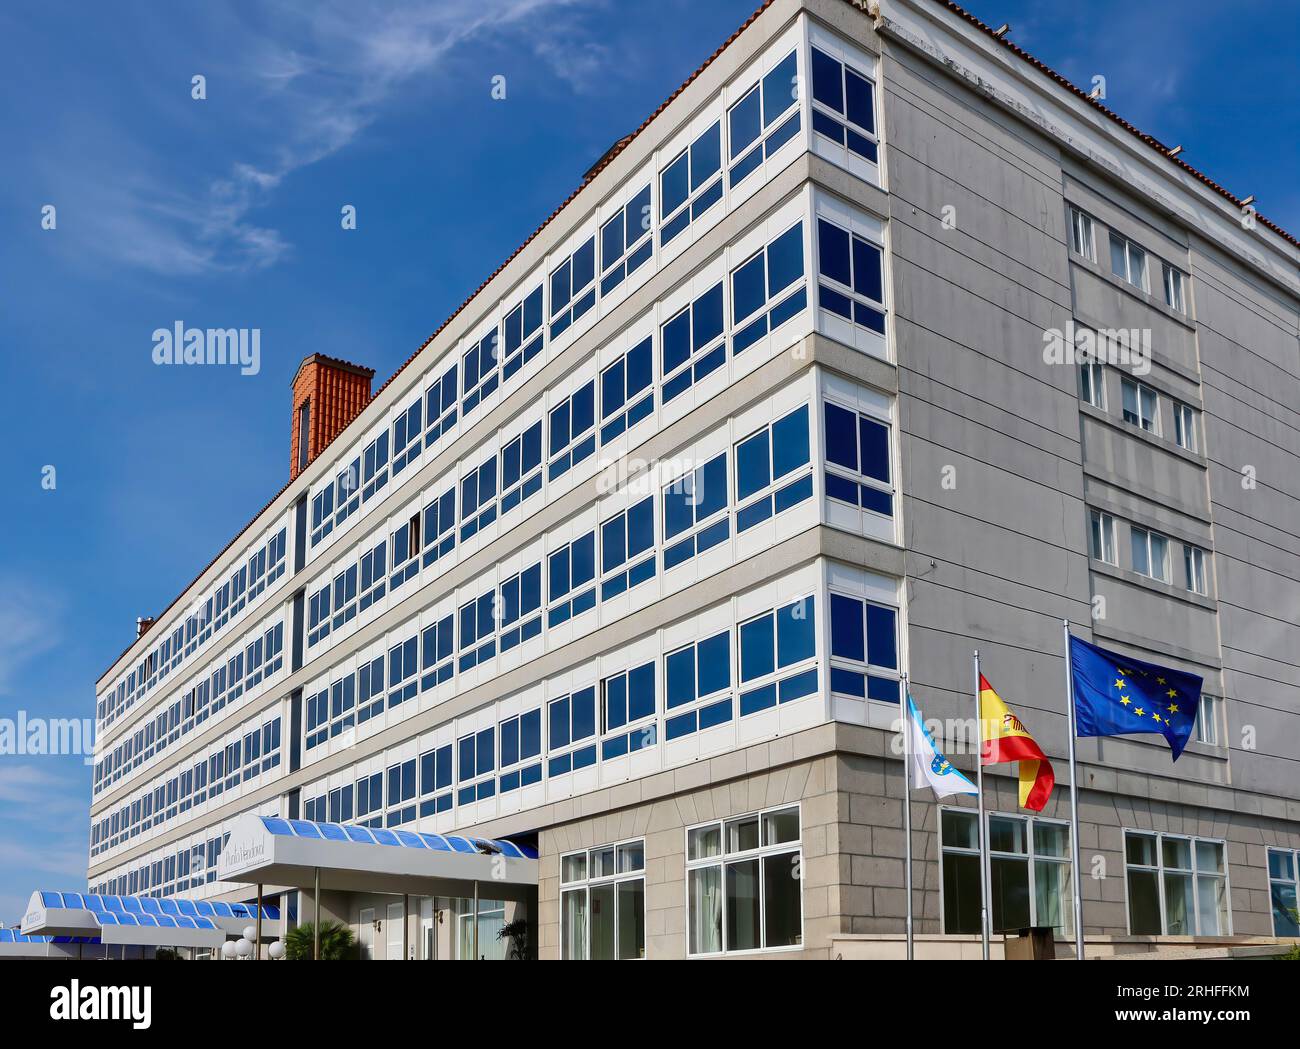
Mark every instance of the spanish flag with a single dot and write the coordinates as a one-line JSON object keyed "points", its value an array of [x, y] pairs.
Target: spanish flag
{"points": [[1005, 739]]}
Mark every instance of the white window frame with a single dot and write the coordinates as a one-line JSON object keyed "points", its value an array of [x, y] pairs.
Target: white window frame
{"points": [[1161, 870], [724, 857], [1194, 569], [1164, 577], [586, 883], [1083, 240], [1141, 418], [1185, 426], [1175, 288], [1133, 253], [1092, 383], [1207, 720], [1030, 857], [1101, 538], [1294, 881]]}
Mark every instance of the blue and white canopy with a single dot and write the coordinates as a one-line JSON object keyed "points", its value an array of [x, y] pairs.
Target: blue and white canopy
{"points": [[139, 919], [14, 944], [274, 851]]}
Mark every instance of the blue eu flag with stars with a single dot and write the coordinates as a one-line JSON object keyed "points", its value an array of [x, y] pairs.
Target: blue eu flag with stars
{"points": [[1117, 695]]}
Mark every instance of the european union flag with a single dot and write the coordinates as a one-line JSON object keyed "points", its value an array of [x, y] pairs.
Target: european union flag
{"points": [[1117, 695]]}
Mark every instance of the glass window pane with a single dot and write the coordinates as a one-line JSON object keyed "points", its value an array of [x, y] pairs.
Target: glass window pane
{"points": [[631, 918], [703, 842], [1141, 849], [782, 900], [602, 923], [742, 834], [1209, 857], [1053, 897], [1212, 902], [1179, 908], [781, 826], [961, 890], [573, 923], [960, 830], [833, 253], [704, 909], [743, 920], [1006, 835], [1177, 852], [631, 857], [1009, 888], [1051, 839]]}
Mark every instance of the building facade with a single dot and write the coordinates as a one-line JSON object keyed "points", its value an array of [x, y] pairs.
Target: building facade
{"points": [[628, 560]]}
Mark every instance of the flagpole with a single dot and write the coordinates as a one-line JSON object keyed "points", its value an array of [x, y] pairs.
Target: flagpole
{"points": [[907, 812], [1074, 801], [979, 786]]}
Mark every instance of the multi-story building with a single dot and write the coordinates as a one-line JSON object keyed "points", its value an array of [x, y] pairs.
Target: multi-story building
{"points": [[626, 563]]}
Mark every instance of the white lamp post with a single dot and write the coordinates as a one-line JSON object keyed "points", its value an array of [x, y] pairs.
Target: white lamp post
{"points": [[276, 950]]}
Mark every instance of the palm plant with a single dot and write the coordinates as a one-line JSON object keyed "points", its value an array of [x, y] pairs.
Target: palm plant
{"points": [[517, 933], [336, 942]]}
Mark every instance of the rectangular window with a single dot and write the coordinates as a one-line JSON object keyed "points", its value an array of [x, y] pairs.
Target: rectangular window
{"points": [[403, 671], [476, 758], [1081, 238], [852, 283], [304, 434], [1174, 289], [1176, 886], [843, 107], [402, 789], [347, 491], [1102, 530], [776, 656], [627, 549], [478, 498], [437, 645], [370, 800], [1128, 261], [572, 431], [318, 616], [857, 459], [435, 780], [573, 288], [758, 284], [375, 466], [406, 552], [571, 723], [1030, 879], [743, 884], [690, 184], [602, 903], [1283, 867], [1141, 405], [625, 242], [695, 512], [521, 467], [345, 597], [322, 523], [571, 574], [523, 334], [1150, 553], [521, 748], [627, 700], [1185, 426], [697, 686], [1207, 720], [520, 607], [370, 689], [374, 575], [439, 527], [864, 649], [1092, 384], [691, 344], [1194, 567], [407, 430], [480, 375], [772, 470], [440, 408], [626, 394], [764, 120]]}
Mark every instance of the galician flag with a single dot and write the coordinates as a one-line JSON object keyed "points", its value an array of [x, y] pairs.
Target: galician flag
{"points": [[1005, 739], [929, 767]]}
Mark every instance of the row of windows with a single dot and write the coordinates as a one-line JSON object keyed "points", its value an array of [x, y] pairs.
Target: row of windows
{"points": [[182, 871], [1150, 553], [252, 664], [765, 661], [238, 761], [1140, 405], [248, 582], [1128, 261]]}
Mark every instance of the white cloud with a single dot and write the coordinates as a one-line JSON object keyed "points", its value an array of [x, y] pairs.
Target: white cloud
{"points": [[28, 627]]}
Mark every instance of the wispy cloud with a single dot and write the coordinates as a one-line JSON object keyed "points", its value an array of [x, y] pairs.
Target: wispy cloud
{"points": [[316, 76], [29, 617]]}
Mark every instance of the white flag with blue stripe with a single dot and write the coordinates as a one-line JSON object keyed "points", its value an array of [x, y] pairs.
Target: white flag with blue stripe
{"points": [[929, 767]]}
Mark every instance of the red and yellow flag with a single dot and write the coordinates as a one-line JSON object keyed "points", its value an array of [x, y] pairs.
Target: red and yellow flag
{"points": [[1005, 739]]}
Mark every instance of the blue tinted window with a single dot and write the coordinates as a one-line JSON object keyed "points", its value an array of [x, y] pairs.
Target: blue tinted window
{"points": [[780, 89], [882, 643], [790, 442], [875, 448], [846, 628], [833, 257], [753, 465], [794, 632], [841, 436], [748, 286], [757, 648], [827, 83], [785, 259], [745, 122], [715, 664]]}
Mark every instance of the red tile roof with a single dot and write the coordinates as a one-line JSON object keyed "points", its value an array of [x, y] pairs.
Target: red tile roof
{"points": [[623, 143]]}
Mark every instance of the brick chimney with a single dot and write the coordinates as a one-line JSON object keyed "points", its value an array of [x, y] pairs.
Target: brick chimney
{"points": [[142, 625], [327, 395]]}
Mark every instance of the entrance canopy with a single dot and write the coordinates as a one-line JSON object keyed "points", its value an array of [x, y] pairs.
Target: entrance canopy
{"points": [[273, 851], [144, 920], [13, 944]]}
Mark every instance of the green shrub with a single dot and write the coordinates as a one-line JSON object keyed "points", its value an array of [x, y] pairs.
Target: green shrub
{"points": [[336, 942]]}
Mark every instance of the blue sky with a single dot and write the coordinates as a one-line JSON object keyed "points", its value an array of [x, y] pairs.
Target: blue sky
{"points": [[225, 213]]}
